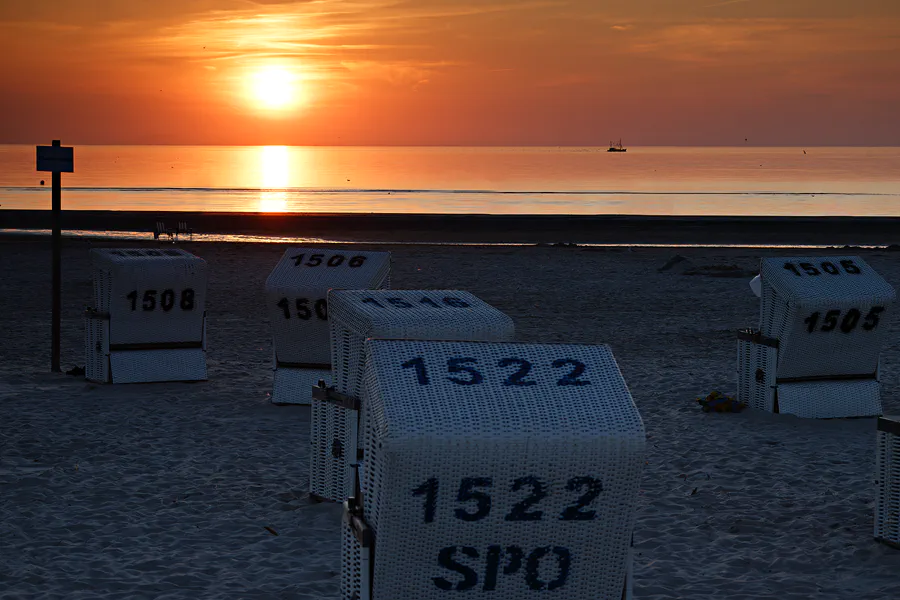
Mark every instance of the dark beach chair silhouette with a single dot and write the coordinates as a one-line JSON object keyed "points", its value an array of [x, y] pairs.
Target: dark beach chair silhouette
{"points": [[161, 231], [183, 229]]}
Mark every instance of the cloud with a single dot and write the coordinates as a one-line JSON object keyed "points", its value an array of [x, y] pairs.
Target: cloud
{"points": [[569, 79], [404, 43], [726, 3], [408, 73], [783, 41], [622, 27]]}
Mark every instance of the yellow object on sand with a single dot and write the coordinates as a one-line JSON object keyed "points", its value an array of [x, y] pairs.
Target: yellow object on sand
{"points": [[718, 402]]}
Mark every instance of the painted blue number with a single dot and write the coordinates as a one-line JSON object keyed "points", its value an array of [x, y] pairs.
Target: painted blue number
{"points": [[419, 365], [459, 365], [517, 378], [571, 378]]}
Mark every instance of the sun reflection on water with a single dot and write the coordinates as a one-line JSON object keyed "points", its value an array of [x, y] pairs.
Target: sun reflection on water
{"points": [[275, 176]]}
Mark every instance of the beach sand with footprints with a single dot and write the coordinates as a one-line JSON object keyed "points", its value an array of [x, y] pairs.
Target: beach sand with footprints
{"points": [[199, 490]]}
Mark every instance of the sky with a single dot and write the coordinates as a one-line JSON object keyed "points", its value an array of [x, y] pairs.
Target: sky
{"points": [[443, 72]]}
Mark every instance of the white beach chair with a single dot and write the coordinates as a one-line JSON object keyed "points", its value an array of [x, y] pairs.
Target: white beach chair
{"points": [[887, 472], [501, 470], [297, 303], [821, 328], [183, 229], [148, 322], [356, 315], [161, 230]]}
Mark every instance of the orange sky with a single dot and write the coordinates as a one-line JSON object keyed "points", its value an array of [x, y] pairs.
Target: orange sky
{"points": [[498, 72]]}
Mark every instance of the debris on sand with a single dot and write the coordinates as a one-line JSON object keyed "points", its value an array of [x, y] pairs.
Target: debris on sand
{"points": [[719, 271], [672, 262]]}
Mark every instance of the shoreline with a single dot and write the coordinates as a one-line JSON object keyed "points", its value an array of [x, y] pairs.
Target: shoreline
{"points": [[484, 228]]}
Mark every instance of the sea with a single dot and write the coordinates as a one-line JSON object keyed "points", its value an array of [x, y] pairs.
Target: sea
{"points": [[729, 181]]}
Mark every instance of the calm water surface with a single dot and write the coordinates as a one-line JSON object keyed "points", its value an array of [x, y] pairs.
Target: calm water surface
{"points": [[645, 180]]}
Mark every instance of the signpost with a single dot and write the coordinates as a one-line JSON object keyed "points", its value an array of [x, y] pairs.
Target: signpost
{"points": [[56, 159]]}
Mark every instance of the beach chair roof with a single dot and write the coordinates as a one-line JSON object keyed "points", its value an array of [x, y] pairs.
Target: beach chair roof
{"points": [[807, 279], [112, 257], [419, 314], [564, 390], [315, 269]]}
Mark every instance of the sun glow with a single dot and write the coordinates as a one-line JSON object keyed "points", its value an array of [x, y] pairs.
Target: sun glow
{"points": [[273, 88]]}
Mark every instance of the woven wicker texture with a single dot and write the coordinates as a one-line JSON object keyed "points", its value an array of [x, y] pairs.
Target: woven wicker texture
{"points": [[356, 565], [292, 386], [351, 566], [297, 295], [152, 296], [146, 297], [823, 399], [833, 399], [158, 365], [499, 469], [756, 375], [96, 348], [829, 314], [333, 438], [399, 314], [887, 498]]}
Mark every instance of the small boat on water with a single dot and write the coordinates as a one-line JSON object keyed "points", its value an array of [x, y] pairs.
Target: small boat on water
{"points": [[617, 147]]}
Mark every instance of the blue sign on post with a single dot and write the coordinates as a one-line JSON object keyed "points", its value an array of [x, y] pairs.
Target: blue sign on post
{"points": [[59, 159]]}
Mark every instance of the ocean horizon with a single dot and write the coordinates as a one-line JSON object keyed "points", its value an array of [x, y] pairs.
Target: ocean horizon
{"points": [[569, 180]]}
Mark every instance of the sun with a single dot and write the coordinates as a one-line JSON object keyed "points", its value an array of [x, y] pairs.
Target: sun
{"points": [[273, 88]]}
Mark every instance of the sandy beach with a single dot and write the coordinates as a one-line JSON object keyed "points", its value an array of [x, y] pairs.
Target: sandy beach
{"points": [[178, 490]]}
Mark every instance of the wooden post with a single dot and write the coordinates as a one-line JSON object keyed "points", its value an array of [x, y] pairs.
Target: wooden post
{"points": [[57, 264], [57, 160]]}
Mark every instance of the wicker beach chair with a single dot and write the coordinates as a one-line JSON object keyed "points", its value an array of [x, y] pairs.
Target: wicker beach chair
{"points": [[148, 322], [821, 328], [501, 470], [161, 230], [297, 302], [356, 315], [183, 229]]}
